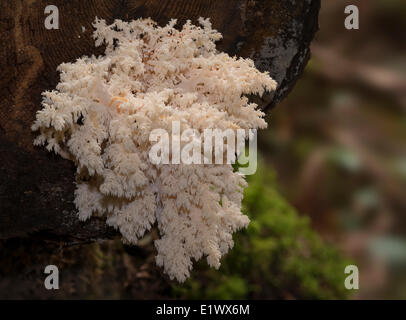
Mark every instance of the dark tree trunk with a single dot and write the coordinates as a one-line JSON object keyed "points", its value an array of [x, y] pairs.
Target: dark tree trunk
{"points": [[36, 187]]}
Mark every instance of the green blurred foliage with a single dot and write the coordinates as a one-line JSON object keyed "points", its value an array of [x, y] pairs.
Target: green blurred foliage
{"points": [[277, 256]]}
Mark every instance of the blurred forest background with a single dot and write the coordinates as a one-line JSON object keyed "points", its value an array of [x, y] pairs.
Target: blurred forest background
{"points": [[338, 142], [329, 190]]}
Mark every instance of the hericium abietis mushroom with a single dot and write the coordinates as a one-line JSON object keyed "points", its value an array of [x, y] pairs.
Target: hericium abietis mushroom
{"points": [[104, 109]]}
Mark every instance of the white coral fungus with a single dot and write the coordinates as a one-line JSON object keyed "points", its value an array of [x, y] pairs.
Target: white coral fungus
{"points": [[103, 110]]}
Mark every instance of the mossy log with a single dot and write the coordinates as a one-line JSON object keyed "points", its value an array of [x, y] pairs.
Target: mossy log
{"points": [[36, 187]]}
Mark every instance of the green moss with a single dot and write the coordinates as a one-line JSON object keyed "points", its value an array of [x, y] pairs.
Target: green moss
{"points": [[277, 256]]}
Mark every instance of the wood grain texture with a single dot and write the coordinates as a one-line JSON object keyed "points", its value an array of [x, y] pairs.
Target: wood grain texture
{"points": [[36, 187]]}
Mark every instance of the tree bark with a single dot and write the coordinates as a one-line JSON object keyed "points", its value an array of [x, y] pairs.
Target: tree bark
{"points": [[36, 187]]}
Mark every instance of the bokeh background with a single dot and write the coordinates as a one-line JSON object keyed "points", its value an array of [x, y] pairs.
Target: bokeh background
{"points": [[329, 191], [338, 142]]}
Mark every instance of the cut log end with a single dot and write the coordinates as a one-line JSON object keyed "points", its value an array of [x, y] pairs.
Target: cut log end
{"points": [[36, 188]]}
